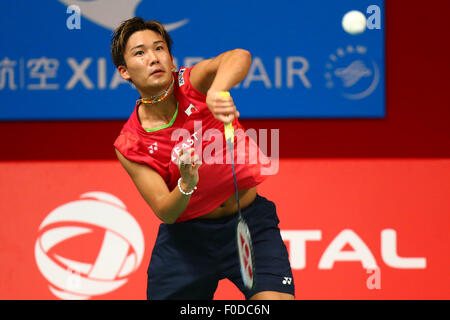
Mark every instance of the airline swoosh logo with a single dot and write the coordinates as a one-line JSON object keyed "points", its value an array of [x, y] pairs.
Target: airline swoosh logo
{"points": [[353, 73], [111, 13], [175, 25]]}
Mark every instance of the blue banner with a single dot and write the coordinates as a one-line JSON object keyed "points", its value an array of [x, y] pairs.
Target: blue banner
{"points": [[55, 61]]}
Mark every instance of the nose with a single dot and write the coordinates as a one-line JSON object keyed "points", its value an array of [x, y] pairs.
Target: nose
{"points": [[153, 58]]}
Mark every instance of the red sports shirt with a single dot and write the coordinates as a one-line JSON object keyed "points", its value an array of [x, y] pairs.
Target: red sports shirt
{"points": [[194, 126]]}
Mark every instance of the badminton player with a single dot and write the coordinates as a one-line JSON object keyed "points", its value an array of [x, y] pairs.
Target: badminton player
{"points": [[194, 199]]}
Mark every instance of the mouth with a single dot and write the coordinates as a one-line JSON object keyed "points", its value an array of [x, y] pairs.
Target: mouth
{"points": [[156, 72]]}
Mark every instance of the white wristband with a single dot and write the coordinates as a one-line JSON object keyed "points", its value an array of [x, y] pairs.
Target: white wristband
{"points": [[183, 192]]}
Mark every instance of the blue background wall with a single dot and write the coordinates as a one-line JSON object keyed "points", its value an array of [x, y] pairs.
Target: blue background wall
{"points": [[300, 56]]}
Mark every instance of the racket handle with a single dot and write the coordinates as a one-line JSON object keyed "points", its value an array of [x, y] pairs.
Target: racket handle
{"points": [[229, 130], [224, 94]]}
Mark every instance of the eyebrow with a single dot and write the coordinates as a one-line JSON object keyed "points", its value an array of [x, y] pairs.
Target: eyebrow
{"points": [[142, 45]]}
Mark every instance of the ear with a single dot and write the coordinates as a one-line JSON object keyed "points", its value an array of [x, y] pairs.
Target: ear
{"points": [[124, 73]]}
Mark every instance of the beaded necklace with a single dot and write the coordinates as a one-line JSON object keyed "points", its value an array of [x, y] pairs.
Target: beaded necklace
{"points": [[158, 98]]}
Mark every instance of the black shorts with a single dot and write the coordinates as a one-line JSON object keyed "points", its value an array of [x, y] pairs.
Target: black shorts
{"points": [[189, 258]]}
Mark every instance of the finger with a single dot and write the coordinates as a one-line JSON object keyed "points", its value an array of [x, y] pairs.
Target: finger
{"points": [[225, 110], [226, 118], [185, 160], [196, 159], [196, 163], [187, 157], [187, 151], [223, 101], [223, 107]]}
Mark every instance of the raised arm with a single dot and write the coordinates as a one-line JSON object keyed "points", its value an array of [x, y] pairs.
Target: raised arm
{"points": [[221, 74]]}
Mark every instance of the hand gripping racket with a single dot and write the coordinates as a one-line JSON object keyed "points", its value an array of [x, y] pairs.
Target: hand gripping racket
{"points": [[243, 238]]}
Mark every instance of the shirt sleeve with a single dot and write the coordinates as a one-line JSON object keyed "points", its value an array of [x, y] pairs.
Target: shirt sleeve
{"points": [[188, 89], [130, 146]]}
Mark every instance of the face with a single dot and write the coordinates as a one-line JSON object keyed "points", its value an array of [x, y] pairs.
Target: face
{"points": [[148, 61]]}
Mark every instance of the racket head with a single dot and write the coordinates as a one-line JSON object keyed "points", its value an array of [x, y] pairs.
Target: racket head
{"points": [[245, 253]]}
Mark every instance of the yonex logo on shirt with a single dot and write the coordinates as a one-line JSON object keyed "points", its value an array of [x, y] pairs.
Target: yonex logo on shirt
{"points": [[153, 147]]}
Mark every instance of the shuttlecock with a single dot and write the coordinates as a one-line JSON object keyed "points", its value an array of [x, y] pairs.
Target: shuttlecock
{"points": [[354, 22]]}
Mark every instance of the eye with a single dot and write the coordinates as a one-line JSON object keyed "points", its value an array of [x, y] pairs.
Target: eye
{"points": [[159, 48], [138, 53]]}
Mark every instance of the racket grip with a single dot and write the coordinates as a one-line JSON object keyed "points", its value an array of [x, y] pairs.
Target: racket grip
{"points": [[229, 130], [224, 94]]}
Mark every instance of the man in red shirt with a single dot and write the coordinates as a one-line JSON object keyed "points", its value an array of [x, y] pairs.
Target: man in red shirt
{"points": [[195, 245]]}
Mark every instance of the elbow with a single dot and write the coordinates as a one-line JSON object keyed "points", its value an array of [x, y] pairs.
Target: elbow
{"points": [[164, 211], [244, 55], [165, 217], [169, 221]]}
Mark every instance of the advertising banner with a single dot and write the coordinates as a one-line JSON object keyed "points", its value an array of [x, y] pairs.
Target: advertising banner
{"points": [[354, 229], [55, 61]]}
